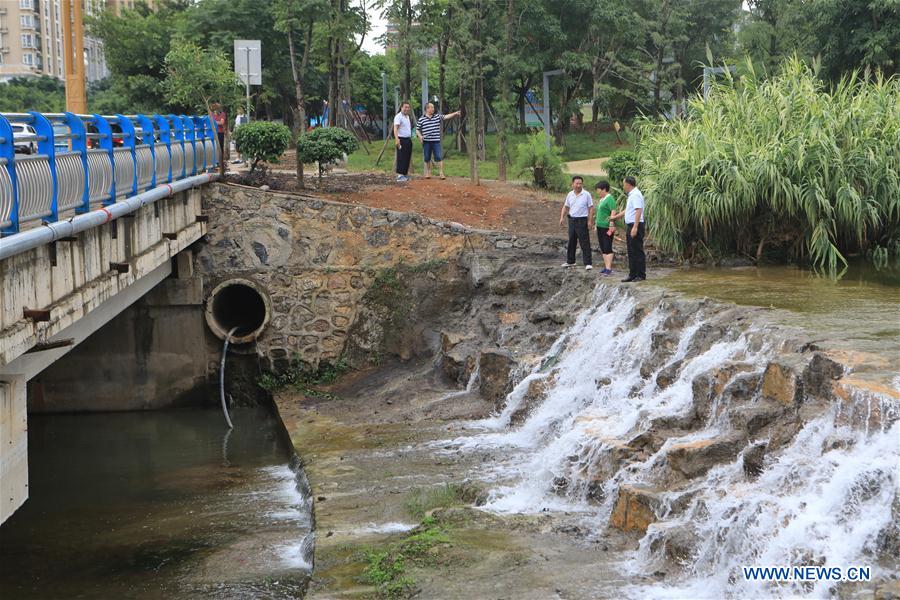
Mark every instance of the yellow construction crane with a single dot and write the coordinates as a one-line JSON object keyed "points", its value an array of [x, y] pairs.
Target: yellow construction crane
{"points": [[73, 48]]}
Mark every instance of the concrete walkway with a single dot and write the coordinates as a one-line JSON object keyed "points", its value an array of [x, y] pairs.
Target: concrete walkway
{"points": [[591, 166]]}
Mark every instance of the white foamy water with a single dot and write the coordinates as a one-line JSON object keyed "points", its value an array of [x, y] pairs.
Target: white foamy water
{"points": [[390, 527], [823, 501], [597, 396], [283, 497], [824, 498], [297, 555]]}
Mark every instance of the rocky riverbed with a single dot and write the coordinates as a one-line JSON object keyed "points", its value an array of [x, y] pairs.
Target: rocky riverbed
{"points": [[527, 433]]}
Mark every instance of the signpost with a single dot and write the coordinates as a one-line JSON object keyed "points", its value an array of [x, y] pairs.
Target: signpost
{"points": [[248, 65], [547, 76]]}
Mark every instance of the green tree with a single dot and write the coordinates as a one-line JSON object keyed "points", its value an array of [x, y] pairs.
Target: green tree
{"points": [[22, 94], [324, 145], [774, 30], [215, 24], [105, 98], [365, 79], [293, 17], [135, 46], [197, 77], [854, 34]]}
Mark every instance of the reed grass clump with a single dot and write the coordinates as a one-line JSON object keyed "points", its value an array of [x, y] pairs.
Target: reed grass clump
{"points": [[786, 166]]}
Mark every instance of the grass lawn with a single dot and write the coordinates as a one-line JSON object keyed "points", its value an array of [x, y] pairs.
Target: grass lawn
{"points": [[579, 146]]}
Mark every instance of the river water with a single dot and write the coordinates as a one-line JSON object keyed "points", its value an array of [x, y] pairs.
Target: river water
{"points": [[158, 505], [860, 312]]}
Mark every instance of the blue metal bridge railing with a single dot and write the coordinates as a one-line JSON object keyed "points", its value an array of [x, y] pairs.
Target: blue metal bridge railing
{"points": [[60, 165]]}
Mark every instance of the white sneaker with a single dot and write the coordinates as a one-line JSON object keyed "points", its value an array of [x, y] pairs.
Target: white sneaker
{"points": [[568, 265], [588, 267]]}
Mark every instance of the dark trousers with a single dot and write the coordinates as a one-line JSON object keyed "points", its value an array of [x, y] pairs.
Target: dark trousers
{"points": [[404, 155], [605, 240], [579, 236], [637, 260]]}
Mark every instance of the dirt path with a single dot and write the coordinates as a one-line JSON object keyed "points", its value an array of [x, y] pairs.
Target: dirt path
{"points": [[592, 167]]}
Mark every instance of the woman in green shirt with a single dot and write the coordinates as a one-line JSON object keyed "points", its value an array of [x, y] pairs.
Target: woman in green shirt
{"points": [[606, 228]]}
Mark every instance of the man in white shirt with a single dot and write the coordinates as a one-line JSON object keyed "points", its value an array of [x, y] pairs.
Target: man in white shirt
{"points": [[634, 230], [579, 209], [403, 138]]}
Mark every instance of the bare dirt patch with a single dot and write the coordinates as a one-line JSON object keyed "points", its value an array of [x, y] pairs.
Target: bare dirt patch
{"points": [[492, 205], [495, 205]]}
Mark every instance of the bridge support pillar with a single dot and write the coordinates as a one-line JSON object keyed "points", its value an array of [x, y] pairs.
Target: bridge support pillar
{"points": [[13, 446]]}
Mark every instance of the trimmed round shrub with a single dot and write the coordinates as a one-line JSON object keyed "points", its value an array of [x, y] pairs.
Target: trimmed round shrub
{"points": [[262, 141], [324, 145]]}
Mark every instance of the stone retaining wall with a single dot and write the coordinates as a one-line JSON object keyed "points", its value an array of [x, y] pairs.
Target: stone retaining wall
{"points": [[317, 259]]}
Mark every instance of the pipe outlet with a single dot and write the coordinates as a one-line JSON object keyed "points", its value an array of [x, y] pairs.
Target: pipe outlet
{"points": [[238, 303]]}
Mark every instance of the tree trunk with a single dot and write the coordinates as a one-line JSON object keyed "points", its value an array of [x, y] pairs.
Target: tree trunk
{"points": [[473, 127], [299, 116], [482, 120], [595, 101], [334, 53], [562, 121], [461, 145], [476, 119], [657, 84], [504, 96], [406, 82], [520, 105], [442, 78]]}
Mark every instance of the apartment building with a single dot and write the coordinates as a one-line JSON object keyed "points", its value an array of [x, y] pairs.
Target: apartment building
{"points": [[117, 6], [31, 41]]}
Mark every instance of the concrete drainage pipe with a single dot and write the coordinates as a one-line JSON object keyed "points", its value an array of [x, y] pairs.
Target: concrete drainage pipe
{"points": [[241, 304]]}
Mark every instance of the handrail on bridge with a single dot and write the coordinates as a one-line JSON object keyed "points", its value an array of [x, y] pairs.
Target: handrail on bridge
{"points": [[74, 163]]}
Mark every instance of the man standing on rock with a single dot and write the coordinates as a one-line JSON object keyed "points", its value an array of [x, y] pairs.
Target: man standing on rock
{"points": [[403, 137], [634, 230], [579, 208]]}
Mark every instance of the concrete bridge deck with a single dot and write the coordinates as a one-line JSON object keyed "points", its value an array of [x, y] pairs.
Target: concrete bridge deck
{"points": [[86, 232]]}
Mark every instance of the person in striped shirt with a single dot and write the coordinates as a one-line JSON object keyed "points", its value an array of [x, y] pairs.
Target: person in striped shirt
{"points": [[430, 130]]}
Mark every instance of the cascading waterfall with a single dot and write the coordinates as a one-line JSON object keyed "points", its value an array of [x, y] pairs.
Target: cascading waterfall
{"points": [[618, 398], [824, 500]]}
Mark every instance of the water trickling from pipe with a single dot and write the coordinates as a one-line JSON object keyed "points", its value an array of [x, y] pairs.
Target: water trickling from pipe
{"points": [[222, 378]]}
